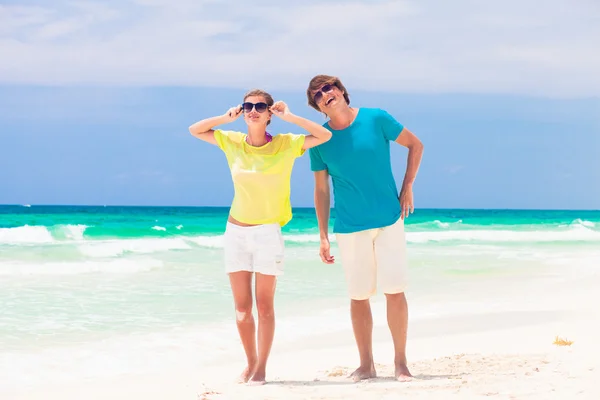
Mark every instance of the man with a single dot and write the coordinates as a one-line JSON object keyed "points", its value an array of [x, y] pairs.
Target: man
{"points": [[369, 224]]}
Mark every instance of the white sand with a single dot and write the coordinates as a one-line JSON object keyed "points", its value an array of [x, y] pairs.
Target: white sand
{"points": [[500, 355]]}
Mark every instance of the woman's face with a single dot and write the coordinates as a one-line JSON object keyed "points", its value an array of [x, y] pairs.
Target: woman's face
{"points": [[256, 110]]}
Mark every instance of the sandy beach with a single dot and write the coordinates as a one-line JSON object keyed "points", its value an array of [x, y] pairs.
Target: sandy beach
{"points": [[506, 354]]}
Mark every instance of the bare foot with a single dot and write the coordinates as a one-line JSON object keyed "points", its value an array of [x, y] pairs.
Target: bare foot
{"points": [[402, 373], [363, 373], [246, 374], [258, 378]]}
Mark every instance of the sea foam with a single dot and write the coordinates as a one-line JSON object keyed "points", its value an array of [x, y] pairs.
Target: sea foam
{"points": [[118, 266]]}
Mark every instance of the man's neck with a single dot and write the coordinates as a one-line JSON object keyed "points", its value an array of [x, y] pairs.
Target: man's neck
{"points": [[341, 119]]}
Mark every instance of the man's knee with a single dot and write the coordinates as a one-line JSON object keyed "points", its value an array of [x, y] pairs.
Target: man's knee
{"points": [[396, 299], [399, 295], [360, 300]]}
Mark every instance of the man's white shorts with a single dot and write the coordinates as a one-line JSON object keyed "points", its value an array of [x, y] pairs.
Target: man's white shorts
{"points": [[374, 258], [254, 248]]}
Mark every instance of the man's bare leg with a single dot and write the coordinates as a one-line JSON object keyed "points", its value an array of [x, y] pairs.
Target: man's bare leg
{"points": [[397, 316], [362, 324], [241, 286], [265, 293]]}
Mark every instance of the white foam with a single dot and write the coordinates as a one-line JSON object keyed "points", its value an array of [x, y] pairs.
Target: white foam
{"points": [[41, 234], [575, 234], [579, 222], [159, 228], [73, 232], [112, 248], [25, 234], [568, 235], [78, 267], [207, 241], [217, 241], [310, 238]]}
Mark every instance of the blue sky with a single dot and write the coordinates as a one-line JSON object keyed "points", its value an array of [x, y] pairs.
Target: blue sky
{"points": [[96, 98]]}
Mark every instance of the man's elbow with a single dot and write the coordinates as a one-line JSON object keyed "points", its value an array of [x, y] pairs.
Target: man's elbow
{"points": [[416, 145], [321, 189]]}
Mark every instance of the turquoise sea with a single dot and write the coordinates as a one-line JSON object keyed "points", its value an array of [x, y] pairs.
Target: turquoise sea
{"points": [[87, 291]]}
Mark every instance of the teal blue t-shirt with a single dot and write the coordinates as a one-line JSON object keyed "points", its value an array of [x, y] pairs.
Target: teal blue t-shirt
{"points": [[358, 161]]}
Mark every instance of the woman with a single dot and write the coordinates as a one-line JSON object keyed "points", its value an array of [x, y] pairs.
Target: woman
{"points": [[261, 167]]}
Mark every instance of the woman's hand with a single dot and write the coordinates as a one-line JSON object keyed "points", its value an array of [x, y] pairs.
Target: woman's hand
{"points": [[281, 109], [232, 114]]}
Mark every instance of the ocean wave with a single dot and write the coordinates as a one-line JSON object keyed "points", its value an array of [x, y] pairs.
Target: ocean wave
{"points": [[112, 248], [506, 236], [436, 224], [36, 234], [490, 236], [118, 266], [68, 232], [579, 222], [577, 231], [25, 234]]}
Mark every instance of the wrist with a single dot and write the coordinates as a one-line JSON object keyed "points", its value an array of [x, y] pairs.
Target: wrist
{"points": [[324, 237], [407, 185], [290, 118]]}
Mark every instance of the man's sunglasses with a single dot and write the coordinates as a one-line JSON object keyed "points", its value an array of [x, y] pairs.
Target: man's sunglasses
{"points": [[327, 88], [260, 107]]}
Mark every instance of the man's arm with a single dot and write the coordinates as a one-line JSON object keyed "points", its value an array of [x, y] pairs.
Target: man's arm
{"points": [[322, 206], [415, 153]]}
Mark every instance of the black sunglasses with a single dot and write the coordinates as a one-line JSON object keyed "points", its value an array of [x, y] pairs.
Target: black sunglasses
{"points": [[260, 107], [327, 88]]}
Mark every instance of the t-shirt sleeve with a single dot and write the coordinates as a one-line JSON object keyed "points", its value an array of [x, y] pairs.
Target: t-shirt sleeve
{"points": [[316, 161], [221, 137], [390, 127], [296, 143], [227, 139]]}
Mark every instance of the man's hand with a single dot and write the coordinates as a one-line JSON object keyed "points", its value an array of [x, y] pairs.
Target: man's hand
{"points": [[324, 252], [406, 202], [281, 110]]}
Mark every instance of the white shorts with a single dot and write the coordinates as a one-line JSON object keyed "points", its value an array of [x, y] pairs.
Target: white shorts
{"points": [[372, 258], [254, 248]]}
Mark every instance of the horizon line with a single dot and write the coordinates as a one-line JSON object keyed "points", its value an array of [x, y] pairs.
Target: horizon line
{"points": [[293, 208]]}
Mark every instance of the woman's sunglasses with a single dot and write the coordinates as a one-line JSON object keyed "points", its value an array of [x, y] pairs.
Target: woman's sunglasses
{"points": [[260, 107], [327, 88]]}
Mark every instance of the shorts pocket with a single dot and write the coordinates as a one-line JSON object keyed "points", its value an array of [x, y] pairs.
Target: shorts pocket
{"points": [[268, 249]]}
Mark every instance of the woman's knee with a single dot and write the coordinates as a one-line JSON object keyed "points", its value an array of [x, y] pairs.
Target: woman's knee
{"points": [[243, 312], [265, 308]]}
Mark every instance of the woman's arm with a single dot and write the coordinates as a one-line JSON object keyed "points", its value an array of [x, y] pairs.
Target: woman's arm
{"points": [[317, 133], [203, 130]]}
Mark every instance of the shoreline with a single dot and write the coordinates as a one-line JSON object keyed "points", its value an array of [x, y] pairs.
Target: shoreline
{"points": [[507, 354]]}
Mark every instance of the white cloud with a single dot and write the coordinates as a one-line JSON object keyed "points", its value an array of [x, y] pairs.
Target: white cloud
{"points": [[508, 46]]}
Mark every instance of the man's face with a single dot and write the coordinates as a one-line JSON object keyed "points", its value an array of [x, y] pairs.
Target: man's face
{"points": [[328, 97]]}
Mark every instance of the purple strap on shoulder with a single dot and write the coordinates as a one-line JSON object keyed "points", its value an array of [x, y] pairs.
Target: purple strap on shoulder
{"points": [[269, 137]]}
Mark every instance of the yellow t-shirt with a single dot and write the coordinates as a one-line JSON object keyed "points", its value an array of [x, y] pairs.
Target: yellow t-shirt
{"points": [[261, 176]]}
